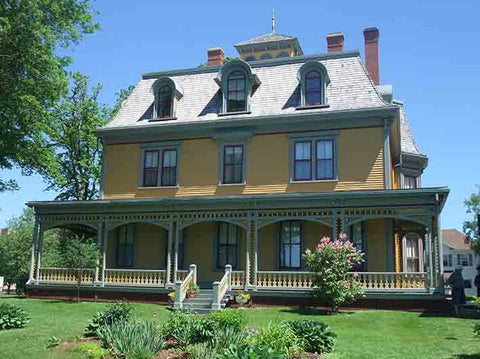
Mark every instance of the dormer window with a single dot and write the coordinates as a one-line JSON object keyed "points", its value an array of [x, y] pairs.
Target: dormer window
{"points": [[237, 83], [313, 78], [236, 92], [164, 102], [167, 94]]}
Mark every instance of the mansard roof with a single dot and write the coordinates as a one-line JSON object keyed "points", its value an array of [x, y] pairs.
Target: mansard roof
{"points": [[350, 89], [272, 37]]}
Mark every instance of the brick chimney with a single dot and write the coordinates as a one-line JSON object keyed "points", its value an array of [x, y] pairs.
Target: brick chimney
{"points": [[371, 36], [335, 41], [215, 56]]}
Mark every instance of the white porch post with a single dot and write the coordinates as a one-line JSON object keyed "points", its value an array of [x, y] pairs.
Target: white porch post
{"points": [[171, 234], [104, 251], [40, 251], [247, 253], [32, 257], [99, 246], [439, 239], [255, 254], [428, 250]]}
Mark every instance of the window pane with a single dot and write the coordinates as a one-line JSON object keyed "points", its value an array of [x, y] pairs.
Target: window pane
{"points": [[233, 164], [303, 150], [164, 104], [302, 170], [295, 256], [222, 256], [324, 169], [236, 92], [313, 88], [325, 149], [231, 254], [150, 177], [169, 158], [223, 233]]}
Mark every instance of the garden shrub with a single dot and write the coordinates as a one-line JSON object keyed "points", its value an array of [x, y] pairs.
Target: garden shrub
{"points": [[202, 351], [178, 326], [52, 342], [201, 330], [92, 350], [315, 337], [246, 351], [476, 329], [277, 336], [115, 313], [230, 318], [128, 339], [12, 316], [331, 262]]}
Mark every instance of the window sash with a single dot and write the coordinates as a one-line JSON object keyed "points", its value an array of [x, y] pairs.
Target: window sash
{"points": [[164, 102], [314, 160], [228, 236], [302, 160], [125, 245], [160, 167], [236, 92], [290, 245], [313, 88], [233, 159], [410, 182]]}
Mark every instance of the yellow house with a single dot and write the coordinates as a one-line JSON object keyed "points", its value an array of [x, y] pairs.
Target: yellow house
{"points": [[223, 175]]}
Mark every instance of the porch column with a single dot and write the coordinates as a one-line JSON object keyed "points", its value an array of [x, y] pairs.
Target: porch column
{"points": [[32, 257], [439, 241], [247, 253], [398, 252], [99, 246], [428, 253], [171, 233], [40, 251], [255, 252], [175, 252], [104, 251], [334, 224]]}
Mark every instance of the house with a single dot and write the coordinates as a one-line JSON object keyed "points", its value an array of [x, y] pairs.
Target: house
{"points": [[458, 252], [223, 175]]}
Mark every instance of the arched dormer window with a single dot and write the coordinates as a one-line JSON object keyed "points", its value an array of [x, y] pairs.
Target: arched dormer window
{"points": [[166, 93], [236, 92], [313, 78], [237, 82]]}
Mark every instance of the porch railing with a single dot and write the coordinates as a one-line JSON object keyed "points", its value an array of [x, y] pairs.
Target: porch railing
{"points": [[371, 281], [238, 279], [385, 281], [135, 277], [284, 279], [181, 274], [181, 287], [65, 275], [221, 288]]}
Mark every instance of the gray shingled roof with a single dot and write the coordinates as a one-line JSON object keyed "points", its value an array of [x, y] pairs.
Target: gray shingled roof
{"points": [[266, 38], [407, 140], [350, 88]]}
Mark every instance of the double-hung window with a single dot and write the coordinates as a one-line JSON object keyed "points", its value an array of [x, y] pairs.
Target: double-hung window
{"points": [[313, 160], [464, 260], [125, 245], [410, 182], [160, 167], [448, 260], [290, 245], [412, 253], [228, 239], [233, 164]]}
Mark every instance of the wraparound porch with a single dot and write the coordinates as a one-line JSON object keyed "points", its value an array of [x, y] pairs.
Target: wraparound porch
{"points": [[182, 231]]}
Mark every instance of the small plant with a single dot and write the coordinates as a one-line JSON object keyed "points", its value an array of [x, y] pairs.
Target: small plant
{"points": [[476, 329], [171, 296], [331, 262], [192, 290], [115, 313], [92, 350], [230, 318], [127, 339], [12, 316], [52, 342], [315, 337], [246, 351], [279, 337], [242, 298], [177, 326], [201, 351]]}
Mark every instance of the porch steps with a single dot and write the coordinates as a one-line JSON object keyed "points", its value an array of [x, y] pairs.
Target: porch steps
{"points": [[202, 302]]}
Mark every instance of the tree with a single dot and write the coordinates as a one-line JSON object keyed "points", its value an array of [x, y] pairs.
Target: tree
{"points": [[74, 168], [16, 249], [470, 227], [79, 254], [32, 74], [331, 262]]}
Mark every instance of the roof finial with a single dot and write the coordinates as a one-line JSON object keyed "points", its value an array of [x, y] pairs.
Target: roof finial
{"points": [[273, 21]]}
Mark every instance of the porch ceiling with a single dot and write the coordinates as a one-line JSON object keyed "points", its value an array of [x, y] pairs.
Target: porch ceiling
{"points": [[433, 197]]}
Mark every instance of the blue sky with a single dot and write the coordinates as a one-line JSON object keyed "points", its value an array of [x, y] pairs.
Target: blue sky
{"points": [[428, 51]]}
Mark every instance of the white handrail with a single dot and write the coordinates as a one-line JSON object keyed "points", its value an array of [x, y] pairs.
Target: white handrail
{"points": [[182, 286], [221, 288]]}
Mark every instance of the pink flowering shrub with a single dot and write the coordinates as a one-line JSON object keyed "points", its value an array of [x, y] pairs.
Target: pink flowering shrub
{"points": [[330, 262]]}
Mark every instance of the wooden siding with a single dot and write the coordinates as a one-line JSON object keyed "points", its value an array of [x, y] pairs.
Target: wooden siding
{"points": [[360, 166]]}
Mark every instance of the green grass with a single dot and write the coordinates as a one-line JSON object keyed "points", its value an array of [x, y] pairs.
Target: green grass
{"points": [[361, 334]]}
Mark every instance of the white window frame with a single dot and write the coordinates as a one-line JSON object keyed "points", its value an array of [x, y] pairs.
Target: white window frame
{"points": [[421, 253]]}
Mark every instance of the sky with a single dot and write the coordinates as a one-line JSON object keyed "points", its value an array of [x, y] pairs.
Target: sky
{"points": [[429, 52]]}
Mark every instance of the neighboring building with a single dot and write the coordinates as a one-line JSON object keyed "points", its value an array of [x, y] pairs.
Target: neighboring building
{"points": [[4, 231], [249, 163], [457, 251]]}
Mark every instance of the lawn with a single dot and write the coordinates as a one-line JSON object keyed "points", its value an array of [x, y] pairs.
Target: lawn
{"points": [[361, 334]]}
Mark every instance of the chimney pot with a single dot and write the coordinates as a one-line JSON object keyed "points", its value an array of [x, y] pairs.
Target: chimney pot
{"points": [[335, 41], [215, 56], [371, 36]]}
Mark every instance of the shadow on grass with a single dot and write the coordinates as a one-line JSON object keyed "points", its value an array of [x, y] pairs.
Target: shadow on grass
{"points": [[312, 311], [466, 356], [449, 315]]}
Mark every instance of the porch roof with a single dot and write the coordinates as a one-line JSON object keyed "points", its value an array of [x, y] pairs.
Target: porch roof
{"points": [[421, 197]]}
